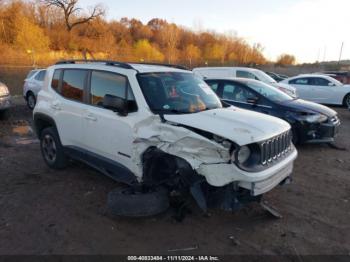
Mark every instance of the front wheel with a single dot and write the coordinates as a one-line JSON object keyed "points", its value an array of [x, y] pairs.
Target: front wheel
{"points": [[346, 101], [51, 149]]}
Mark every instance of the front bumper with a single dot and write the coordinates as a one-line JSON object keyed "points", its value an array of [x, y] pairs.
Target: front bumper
{"points": [[219, 175], [5, 102], [319, 132]]}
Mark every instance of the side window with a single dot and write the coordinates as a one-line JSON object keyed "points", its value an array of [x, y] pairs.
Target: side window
{"points": [[56, 79], [235, 93], [213, 85], [73, 84], [317, 81], [300, 81], [245, 74], [106, 83]]}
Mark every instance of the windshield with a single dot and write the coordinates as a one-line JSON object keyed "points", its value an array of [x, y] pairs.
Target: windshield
{"points": [[269, 92], [177, 93], [264, 77]]}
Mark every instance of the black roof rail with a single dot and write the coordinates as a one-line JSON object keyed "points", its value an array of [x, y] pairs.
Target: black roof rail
{"points": [[167, 65], [107, 62]]}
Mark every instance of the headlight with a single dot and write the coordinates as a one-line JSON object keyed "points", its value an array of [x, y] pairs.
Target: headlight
{"points": [[310, 118], [243, 154], [3, 90]]}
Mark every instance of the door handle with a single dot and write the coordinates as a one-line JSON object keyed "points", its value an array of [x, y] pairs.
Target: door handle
{"points": [[90, 116], [55, 106]]}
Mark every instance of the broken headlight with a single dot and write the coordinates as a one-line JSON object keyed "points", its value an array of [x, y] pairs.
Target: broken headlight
{"points": [[243, 154], [308, 117]]}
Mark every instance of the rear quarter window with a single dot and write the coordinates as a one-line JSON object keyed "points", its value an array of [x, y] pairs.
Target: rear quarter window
{"points": [[56, 80]]}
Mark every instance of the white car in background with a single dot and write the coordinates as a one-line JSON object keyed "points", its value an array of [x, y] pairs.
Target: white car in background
{"points": [[244, 72], [5, 98], [32, 85], [321, 89]]}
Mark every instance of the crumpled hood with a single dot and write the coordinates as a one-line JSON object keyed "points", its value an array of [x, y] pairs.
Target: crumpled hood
{"points": [[302, 105], [238, 125]]}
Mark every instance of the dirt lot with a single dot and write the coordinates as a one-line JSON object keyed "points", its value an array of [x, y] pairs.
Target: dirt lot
{"points": [[49, 212]]}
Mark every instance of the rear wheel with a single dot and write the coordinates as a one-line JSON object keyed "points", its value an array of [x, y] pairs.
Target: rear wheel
{"points": [[31, 100], [346, 101], [51, 149]]}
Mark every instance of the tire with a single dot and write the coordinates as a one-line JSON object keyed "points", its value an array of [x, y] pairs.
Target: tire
{"points": [[4, 114], [128, 203], [295, 137], [31, 100], [52, 149], [346, 101]]}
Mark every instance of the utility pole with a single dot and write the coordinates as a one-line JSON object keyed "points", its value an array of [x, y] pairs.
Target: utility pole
{"points": [[341, 52]]}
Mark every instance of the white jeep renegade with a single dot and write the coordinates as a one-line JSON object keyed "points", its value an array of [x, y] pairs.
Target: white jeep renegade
{"points": [[152, 126]]}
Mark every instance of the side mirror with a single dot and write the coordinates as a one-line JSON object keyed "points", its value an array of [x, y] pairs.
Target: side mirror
{"points": [[116, 104], [253, 100], [331, 84]]}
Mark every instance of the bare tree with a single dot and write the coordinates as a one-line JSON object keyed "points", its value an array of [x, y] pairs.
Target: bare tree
{"points": [[71, 12]]}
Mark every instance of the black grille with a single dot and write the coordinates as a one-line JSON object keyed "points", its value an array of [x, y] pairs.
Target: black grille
{"points": [[275, 148]]}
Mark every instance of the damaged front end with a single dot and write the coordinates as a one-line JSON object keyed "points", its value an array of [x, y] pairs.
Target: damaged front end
{"points": [[190, 161]]}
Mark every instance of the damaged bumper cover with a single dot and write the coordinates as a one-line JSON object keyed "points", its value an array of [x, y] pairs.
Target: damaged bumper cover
{"points": [[219, 175]]}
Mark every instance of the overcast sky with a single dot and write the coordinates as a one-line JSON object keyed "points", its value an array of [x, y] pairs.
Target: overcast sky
{"points": [[310, 29]]}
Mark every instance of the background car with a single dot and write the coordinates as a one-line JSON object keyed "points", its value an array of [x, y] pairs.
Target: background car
{"points": [[310, 122], [244, 72], [5, 98], [321, 89], [32, 85], [276, 77]]}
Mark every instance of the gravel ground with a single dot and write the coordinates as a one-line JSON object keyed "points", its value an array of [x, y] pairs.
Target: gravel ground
{"points": [[49, 212]]}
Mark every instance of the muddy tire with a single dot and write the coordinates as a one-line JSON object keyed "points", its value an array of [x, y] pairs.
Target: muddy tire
{"points": [[128, 203], [31, 100], [52, 149]]}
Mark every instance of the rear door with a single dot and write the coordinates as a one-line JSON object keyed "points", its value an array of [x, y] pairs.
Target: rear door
{"points": [[68, 104]]}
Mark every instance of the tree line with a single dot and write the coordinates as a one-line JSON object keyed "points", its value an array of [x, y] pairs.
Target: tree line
{"points": [[46, 30]]}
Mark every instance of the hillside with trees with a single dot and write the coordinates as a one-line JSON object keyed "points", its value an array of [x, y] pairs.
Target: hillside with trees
{"points": [[44, 31]]}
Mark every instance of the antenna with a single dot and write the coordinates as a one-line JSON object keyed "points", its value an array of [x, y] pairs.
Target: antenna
{"points": [[341, 52]]}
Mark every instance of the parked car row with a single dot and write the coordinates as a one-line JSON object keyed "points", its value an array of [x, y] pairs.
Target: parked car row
{"points": [[225, 135]]}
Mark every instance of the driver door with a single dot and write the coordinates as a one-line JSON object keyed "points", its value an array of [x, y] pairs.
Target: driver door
{"points": [[107, 134]]}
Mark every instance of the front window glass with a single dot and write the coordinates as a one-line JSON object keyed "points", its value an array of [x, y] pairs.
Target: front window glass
{"points": [[177, 93], [268, 91], [106, 83], [235, 92]]}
